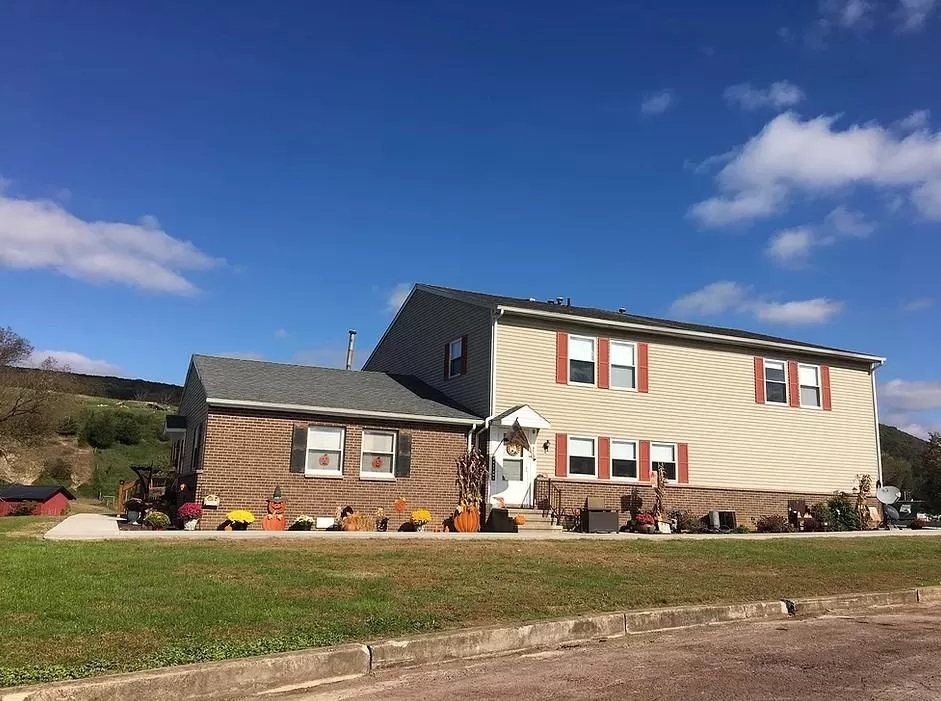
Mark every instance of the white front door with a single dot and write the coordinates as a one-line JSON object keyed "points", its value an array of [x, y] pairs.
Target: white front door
{"points": [[511, 471]]}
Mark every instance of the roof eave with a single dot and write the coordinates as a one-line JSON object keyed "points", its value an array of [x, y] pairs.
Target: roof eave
{"points": [[336, 411], [690, 334]]}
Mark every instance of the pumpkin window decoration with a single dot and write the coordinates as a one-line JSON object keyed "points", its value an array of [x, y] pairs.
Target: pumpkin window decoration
{"points": [[324, 460], [377, 463], [400, 505]]}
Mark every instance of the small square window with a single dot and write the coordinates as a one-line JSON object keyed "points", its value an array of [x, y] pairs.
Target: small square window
{"points": [[623, 365], [663, 454], [809, 385], [623, 460], [582, 457], [324, 451]]}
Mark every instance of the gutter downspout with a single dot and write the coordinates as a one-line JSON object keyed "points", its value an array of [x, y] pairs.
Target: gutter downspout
{"points": [[875, 413], [493, 370]]}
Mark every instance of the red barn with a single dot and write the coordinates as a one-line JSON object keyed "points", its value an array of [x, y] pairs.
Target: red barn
{"points": [[48, 501]]}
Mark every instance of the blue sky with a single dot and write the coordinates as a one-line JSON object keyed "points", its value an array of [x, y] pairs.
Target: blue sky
{"points": [[256, 178]]}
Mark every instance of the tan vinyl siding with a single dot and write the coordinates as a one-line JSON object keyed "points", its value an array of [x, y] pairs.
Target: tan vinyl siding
{"points": [[703, 395], [193, 406], [414, 345]]}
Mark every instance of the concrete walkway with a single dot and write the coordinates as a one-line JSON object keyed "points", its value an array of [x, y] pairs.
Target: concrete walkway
{"points": [[102, 527]]}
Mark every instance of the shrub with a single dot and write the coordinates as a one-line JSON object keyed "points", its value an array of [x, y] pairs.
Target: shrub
{"points": [[99, 430], [822, 514], [68, 426], [812, 525], [58, 471], [742, 528], [845, 516], [190, 511], [24, 508], [772, 523], [687, 522], [127, 428], [157, 520]]}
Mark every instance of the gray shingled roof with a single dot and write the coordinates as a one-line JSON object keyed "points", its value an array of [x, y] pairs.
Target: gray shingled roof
{"points": [[257, 381], [494, 301]]}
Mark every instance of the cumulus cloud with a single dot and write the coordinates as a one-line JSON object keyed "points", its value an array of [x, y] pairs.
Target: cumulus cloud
{"points": [[845, 222], [815, 157], [398, 296], [778, 95], [74, 362], [918, 119], [913, 14], [791, 247], [911, 395], [727, 296], [849, 14], [658, 103], [41, 234]]}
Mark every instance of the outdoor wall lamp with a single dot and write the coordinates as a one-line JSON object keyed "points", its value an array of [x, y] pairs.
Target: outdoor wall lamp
{"points": [[545, 447]]}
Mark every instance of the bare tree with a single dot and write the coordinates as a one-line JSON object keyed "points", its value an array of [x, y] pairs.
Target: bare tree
{"points": [[26, 395]]}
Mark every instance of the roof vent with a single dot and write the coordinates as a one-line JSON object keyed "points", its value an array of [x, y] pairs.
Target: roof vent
{"points": [[550, 301], [559, 300], [568, 301], [622, 310], [532, 299]]}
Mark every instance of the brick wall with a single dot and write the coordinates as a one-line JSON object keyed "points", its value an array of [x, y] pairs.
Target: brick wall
{"points": [[748, 505], [247, 454]]}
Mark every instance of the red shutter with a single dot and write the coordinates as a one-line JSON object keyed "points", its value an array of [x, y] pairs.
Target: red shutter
{"points": [[825, 388], [604, 458], [793, 384], [561, 455], [447, 361], [642, 358], [759, 380], [561, 357], [682, 457], [604, 363], [463, 355], [644, 459]]}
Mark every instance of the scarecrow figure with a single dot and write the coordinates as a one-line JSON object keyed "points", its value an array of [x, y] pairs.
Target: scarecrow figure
{"points": [[659, 490], [274, 519]]}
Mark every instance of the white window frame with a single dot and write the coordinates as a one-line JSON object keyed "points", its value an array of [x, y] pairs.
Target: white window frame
{"points": [[452, 357], [380, 476], [633, 346], [764, 378], [818, 386], [636, 445], [316, 470], [594, 362], [568, 457], [676, 459], [199, 448]]}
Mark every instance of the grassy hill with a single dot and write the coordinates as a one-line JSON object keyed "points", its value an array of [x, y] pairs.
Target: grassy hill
{"points": [[111, 387], [902, 456]]}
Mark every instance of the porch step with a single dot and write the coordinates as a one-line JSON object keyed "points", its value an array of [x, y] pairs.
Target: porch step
{"points": [[535, 520]]}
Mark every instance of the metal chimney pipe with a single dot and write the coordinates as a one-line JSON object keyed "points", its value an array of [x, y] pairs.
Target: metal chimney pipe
{"points": [[349, 350]]}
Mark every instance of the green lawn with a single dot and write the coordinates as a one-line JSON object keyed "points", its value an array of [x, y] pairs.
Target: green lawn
{"points": [[77, 609]]}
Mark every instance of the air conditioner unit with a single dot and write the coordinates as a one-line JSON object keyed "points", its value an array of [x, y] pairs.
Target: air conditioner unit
{"points": [[722, 520]]}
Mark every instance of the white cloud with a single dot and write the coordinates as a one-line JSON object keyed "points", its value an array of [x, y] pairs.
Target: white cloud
{"points": [[918, 304], [810, 311], [709, 163], [918, 119], [845, 222], [777, 95], [791, 247], [281, 334], [658, 103], [74, 362], [727, 296], [40, 234], [740, 207], [711, 299], [325, 357], [909, 395], [814, 157], [847, 14], [912, 14], [398, 296]]}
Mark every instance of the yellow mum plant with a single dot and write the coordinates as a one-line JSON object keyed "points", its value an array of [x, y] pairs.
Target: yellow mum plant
{"points": [[241, 516], [421, 516]]}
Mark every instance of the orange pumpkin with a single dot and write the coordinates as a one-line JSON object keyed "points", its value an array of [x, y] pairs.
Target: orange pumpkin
{"points": [[467, 521]]}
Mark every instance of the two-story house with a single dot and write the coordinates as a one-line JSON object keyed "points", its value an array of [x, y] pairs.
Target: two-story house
{"points": [[581, 401]]}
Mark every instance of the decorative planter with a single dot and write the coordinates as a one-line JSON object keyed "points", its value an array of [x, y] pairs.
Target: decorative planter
{"points": [[191, 524], [133, 516], [647, 528], [239, 526], [419, 526], [467, 521]]}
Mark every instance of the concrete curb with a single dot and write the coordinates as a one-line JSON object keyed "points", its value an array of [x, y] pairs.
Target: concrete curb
{"points": [[272, 674]]}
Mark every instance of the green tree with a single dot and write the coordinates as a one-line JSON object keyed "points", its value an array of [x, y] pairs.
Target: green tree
{"points": [[127, 428], [27, 396], [930, 490], [898, 472], [99, 430]]}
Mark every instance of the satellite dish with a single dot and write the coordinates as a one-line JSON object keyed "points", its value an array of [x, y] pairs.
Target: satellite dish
{"points": [[888, 494], [891, 513]]}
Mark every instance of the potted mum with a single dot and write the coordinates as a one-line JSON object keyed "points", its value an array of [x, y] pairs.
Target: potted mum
{"points": [[133, 510], [157, 520], [189, 514], [302, 523], [240, 518], [645, 523], [421, 517]]}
